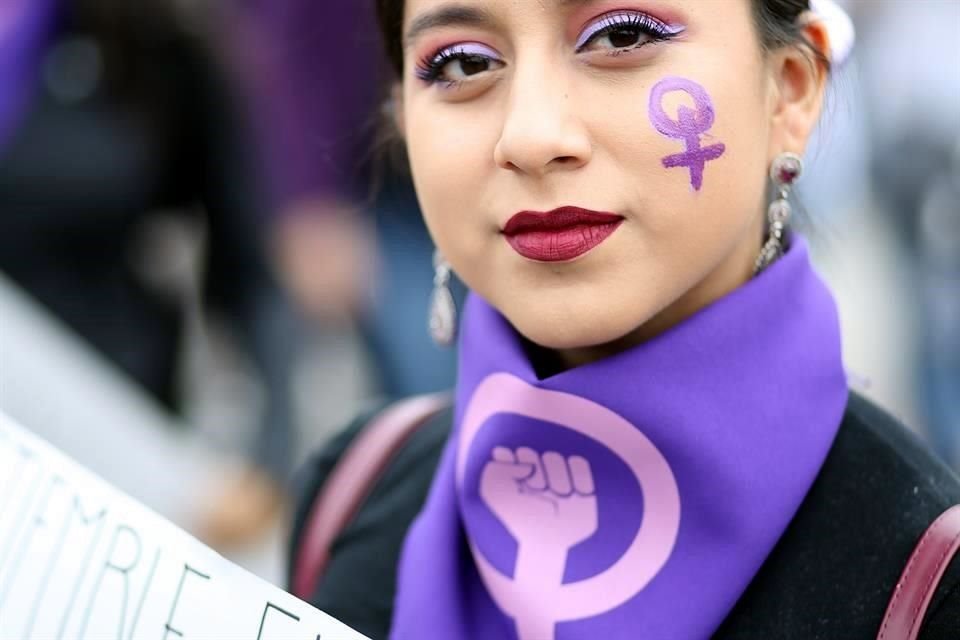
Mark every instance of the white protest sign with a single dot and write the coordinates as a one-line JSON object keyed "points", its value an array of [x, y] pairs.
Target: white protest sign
{"points": [[78, 559]]}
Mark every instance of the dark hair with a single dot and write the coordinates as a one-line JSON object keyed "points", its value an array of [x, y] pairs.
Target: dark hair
{"points": [[777, 23]]}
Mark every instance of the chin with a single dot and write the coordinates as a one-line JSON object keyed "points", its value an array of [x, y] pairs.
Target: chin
{"points": [[584, 327]]}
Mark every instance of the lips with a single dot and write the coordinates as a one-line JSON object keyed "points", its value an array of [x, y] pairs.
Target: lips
{"points": [[559, 235]]}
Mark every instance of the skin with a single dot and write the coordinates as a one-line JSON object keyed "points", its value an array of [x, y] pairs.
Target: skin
{"points": [[548, 126]]}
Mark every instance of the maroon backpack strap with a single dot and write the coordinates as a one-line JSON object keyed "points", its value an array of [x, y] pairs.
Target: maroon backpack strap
{"points": [[352, 480], [920, 578]]}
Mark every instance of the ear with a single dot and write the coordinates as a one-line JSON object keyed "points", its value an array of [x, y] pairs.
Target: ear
{"points": [[396, 101], [799, 82]]}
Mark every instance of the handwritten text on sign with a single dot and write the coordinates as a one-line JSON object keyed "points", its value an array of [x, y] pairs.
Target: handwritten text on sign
{"points": [[78, 559]]}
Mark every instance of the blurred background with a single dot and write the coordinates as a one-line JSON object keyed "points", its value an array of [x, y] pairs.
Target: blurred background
{"points": [[210, 260]]}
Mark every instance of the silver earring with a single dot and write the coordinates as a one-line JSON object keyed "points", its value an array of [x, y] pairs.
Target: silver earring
{"points": [[784, 172], [443, 311]]}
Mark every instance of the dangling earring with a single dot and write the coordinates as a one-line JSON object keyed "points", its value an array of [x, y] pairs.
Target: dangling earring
{"points": [[443, 310], [785, 170]]}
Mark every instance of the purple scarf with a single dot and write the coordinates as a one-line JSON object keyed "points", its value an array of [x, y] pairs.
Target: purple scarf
{"points": [[25, 26], [635, 497]]}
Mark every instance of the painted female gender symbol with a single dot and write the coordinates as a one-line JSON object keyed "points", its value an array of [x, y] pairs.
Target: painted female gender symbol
{"points": [[688, 126], [548, 513]]}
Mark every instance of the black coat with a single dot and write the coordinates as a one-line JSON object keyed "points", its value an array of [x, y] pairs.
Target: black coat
{"points": [[830, 576]]}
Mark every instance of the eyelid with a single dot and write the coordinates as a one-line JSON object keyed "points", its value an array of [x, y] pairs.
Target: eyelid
{"points": [[463, 48], [624, 16], [430, 67]]}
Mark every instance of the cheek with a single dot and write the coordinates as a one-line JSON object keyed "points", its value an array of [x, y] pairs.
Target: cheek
{"points": [[441, 145], [436, 148], [695, 129], [734, 184], [694, 147], [451, 159]]}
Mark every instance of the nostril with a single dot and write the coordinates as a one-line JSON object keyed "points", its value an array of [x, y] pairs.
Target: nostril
{"points": [[567, 161]]}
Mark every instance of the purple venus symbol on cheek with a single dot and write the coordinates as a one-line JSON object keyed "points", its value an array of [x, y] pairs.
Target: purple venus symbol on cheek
{"points": [[689, 126]]}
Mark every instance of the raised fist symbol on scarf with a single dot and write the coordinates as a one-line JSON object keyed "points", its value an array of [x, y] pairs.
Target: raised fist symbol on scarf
{"points": [[547, 502]]}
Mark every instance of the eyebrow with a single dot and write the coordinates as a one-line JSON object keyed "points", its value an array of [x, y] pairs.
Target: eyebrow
{"points": [[446, 16], [462, 15]]}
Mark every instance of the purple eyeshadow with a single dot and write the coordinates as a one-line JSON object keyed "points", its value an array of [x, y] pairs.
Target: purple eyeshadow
{"points": [[466, 49], [635, 19], [430, 68]]}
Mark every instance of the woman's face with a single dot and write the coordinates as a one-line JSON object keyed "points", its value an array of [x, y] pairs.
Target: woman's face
{"points": [[595, 169]]}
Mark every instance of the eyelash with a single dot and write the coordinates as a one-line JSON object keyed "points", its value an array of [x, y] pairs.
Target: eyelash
{"points": [[430, 68], [649, 26]]}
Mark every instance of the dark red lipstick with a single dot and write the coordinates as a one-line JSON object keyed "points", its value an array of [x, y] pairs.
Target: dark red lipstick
{"points": [[559, 235]]}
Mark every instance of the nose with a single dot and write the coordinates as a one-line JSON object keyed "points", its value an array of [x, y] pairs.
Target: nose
{"points": [[541, 131]]}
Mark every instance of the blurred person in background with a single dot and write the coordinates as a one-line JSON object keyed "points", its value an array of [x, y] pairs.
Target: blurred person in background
{"points": [[348, 232], [914, 131], [110, 112]]}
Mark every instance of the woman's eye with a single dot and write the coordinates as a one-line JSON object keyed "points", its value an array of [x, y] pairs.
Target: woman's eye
{"points": [[622, 31], [619, 38], [458, 64], [462, 68]]}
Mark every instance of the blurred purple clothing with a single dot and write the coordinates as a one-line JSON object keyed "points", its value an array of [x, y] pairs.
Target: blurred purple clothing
{"points": [[25, 26], [318, 76]]}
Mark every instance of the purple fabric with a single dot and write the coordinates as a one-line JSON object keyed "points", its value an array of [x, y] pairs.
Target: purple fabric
{"points": [[635, 497], [25, 26], [318, 78]]}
